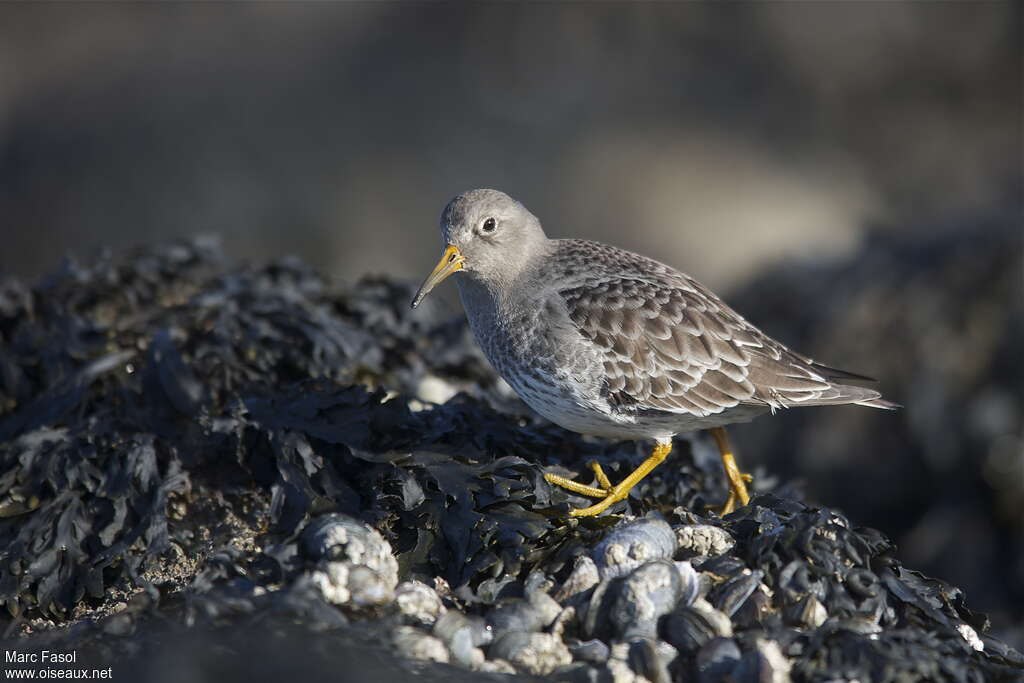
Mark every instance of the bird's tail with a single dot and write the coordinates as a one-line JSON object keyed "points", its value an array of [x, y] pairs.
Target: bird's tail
{"points": [[848, 394], [849, 390], [879, 403]]}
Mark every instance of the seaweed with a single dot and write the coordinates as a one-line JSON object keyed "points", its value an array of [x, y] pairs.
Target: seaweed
{"points": [[171, 424]]}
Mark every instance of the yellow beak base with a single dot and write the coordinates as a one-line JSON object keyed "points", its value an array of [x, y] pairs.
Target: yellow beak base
{"points": [[451, 261]]}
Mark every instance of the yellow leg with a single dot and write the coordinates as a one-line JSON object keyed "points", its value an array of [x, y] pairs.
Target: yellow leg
{"points": [[610, 494], [737, 480], [602, 478]]}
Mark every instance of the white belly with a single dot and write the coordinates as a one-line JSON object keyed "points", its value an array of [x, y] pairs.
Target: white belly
{"points": [[566, 409]]}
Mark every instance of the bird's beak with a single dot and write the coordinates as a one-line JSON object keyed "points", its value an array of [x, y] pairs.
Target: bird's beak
{"points": [[451, 261]]}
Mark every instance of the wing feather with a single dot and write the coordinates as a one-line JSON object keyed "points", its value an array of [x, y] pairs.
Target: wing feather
{"points": [[668, 343]]}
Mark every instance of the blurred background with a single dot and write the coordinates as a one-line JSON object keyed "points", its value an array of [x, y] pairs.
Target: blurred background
{"points": [[847, 174]]}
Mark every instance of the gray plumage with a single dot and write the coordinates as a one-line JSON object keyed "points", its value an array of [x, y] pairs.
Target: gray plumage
{"points": [[607, 342]]}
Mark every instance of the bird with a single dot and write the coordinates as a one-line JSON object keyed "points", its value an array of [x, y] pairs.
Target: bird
{"points": [[610, 343]]}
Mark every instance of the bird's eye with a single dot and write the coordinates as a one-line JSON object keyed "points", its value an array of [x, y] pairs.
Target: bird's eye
{"points": [[489, 225]]}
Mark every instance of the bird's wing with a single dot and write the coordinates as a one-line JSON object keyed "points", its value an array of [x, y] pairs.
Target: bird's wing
{"points": [[668, 343]]}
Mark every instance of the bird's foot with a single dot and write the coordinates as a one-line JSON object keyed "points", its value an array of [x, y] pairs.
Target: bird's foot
{"points": [[605, 491]]}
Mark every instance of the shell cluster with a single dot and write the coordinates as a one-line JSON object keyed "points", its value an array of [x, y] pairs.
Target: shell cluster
{"points": [[631, 609]]}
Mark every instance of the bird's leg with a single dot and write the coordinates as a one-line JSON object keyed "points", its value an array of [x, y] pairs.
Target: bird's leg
{"points": [[602, 478], [737, 480], [610, 494]]}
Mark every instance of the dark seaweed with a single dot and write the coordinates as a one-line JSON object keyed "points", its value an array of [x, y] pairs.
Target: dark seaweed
{"points": [[169, 423]]}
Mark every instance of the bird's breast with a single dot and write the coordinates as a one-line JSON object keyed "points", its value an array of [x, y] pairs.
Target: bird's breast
{"points": [[537, 350]]}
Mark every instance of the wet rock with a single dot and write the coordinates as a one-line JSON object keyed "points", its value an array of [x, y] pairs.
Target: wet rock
{"points": [[419, 602], [533, 653], [415, 644], [632, 544]]}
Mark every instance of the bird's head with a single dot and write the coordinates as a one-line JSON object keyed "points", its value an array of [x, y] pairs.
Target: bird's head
{"points": [[488, 236]]}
